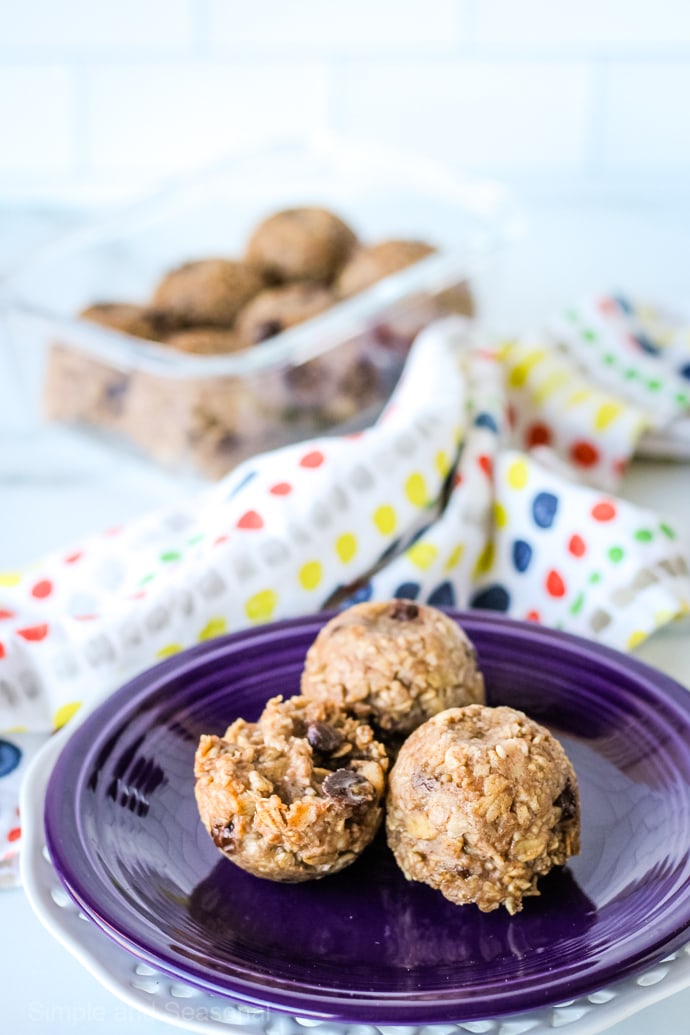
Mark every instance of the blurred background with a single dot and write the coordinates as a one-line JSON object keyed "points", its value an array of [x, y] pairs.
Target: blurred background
{"points": [[98, 100]]}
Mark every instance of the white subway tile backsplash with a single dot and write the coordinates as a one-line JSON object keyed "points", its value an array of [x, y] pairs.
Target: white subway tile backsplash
{"points": [[586, 23], [647, 114], [41, 24], [177, 116], [36, 122], [353, 26], [475, 114]]}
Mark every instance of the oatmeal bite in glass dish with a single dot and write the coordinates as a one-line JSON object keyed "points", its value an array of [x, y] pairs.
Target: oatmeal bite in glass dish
{"points": [[295, 796]]}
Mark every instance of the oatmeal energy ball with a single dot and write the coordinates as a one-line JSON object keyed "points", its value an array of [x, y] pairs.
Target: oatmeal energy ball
{"points": [[481, 803], [307, 243], [207, 292], [394, 663], [294, 796]]}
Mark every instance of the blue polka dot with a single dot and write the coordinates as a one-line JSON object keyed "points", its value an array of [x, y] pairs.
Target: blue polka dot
{"points": [[685, 371], [492, 598], [485, 420], [522, 554], [355, 595], [647, 345], [442, 596], [407, 591], [544, 509], [10, 757]]}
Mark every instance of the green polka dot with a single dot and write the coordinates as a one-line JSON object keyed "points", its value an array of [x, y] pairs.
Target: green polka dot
{"points": [[682, 399], [616, 554], [193, 540], [630, 374], [594, 578], [667, 530], [571, 314], [171, 555], [609, 359], [654, 385], [577, 604], [589, 335], [147, 578], [643, 535]]}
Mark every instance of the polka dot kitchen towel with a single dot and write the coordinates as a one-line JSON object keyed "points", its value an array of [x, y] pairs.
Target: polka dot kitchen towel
{"points": [[486, 483]]}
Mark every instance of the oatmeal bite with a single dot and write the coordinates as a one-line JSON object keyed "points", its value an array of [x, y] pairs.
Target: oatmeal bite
{"points": [[373, 262], [307, 243], [279, 308], [207, 292], [481, 803], [296, 795], [393, 663]]}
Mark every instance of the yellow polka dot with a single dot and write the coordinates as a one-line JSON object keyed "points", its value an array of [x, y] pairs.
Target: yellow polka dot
{"points": [[346, 547], [635, 638], [579, 396], [550, 385], [662, 617], [521, 371], [18, 729], [518, 474], [10, 578], [214, 627], [500, 515], [65, 713], [385, 520], [169, 650], [422, 555], [415, 490], [485, 561], [261, 606], [606, 414], [310, 575], [455, 557], [442, 463]]}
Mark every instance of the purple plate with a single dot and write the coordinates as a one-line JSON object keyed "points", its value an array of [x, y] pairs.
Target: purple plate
{"points": [[366, 945]]}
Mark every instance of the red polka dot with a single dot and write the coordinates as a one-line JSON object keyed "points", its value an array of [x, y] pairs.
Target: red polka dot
{"points": [[33, 633], [14, 834], [139, 595], [72, 558], [251, 521], [576, 545], [220, 539], [584, 453], [486, 465], [354, 435], [4, 613], [281, 489], [2, 651], [42, 589], [538, 434], [533, 616], [555, 586], [607, 305], [84, 618], [603, 511], [115, 530], [457, 480], [313, 459]]}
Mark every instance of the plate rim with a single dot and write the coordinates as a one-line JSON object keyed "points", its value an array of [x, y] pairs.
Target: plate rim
{"points": [[362, 1006]]}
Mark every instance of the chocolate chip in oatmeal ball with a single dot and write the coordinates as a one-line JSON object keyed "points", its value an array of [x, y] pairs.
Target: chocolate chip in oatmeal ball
{"points": [[223, 836], [567, 802], [347, 786], [323, 738], [403, 611]]}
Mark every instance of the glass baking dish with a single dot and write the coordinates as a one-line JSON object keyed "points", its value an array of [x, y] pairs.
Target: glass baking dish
{"points": [[203, 414]]}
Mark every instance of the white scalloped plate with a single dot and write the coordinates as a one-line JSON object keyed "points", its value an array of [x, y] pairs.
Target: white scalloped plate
{"points": [[152, 992]]}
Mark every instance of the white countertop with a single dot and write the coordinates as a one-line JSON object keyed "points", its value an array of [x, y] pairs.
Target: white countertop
{"points": [[55, 487]]}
